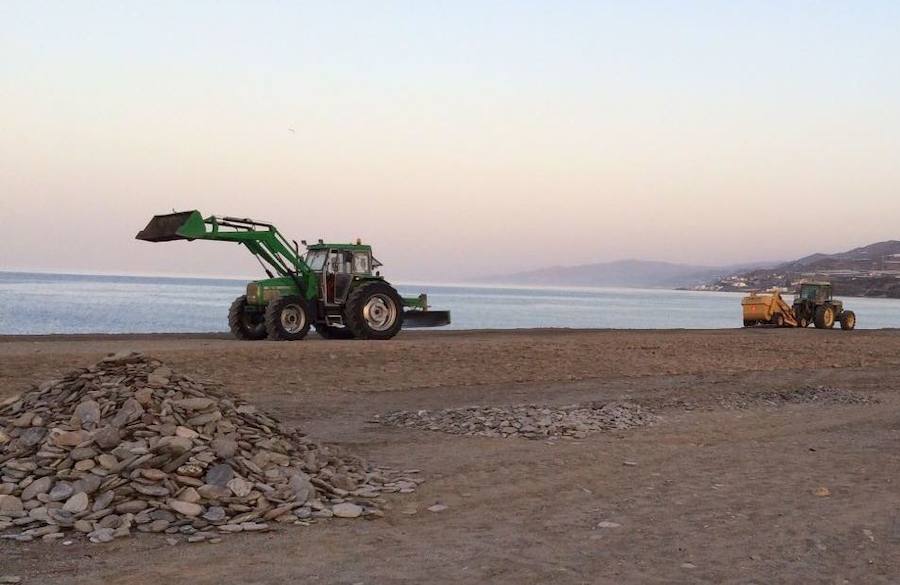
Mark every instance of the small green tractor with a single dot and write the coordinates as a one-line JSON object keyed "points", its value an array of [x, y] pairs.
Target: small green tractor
{"points": [[814, 304], [332, 287]]}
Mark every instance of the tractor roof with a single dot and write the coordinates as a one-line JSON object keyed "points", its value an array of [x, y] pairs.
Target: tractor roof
{"points": [[815, 283], [351, 247]]}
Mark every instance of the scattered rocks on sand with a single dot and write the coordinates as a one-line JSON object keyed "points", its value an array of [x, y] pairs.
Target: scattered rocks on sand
{"points": [[128, 445], [810, 395], [528, 421]]}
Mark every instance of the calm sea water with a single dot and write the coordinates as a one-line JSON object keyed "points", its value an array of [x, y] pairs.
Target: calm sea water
{"points": [[51, 303]]}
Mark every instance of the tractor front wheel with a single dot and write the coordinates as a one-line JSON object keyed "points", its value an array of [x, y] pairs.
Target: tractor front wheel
{"points": [[245, 326], [374, 310], [778, 320], [824, 318], [287, 318], [848, 320]]}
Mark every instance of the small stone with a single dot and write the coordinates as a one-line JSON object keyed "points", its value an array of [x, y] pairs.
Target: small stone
{"points": [[822, 492], [103, 501], [155, 490], [186, 433], [437, 508], [83, 526], [107, 438], [185, 508], [131, 507], [629, 463], [224, 448], [10, 579], [253, 526], [102, 535], [86, 415], [608, 524], [70, 438], [219, 475], [189, 494], [231, 528], [346, 510], [88, 484], [39, 486], [240, 487], [171, 541], [688, 566], [63, 490], [176, 445], [301, 487], [213, 492], [10, 504], [154, 474], [77, 503], [190, 470], [214, 514], [85, 465], [194, 403]]}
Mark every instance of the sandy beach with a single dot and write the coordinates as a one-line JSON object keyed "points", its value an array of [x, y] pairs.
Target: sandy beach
{"points": [[720, 489]]}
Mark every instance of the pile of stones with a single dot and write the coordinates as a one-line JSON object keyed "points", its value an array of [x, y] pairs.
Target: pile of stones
{"points": [[129, 445], [528, 421]]}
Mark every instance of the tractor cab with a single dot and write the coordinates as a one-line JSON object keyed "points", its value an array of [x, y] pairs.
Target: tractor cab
{"points": [[816, 292], [337, 266]]}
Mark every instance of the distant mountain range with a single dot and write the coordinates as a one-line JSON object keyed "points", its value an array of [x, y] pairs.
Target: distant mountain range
{"points": [[868, 271], [621, 273]]}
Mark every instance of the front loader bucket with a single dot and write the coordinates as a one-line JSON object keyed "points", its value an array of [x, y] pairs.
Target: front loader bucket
{"points": [[416, 318], [182, 225]]}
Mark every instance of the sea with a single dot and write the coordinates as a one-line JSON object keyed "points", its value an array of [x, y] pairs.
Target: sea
{"points": [[38, 303]]}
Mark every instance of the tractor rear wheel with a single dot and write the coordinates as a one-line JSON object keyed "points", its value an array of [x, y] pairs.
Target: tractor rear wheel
{"points": [[848, 320], [245, 326], [824, 318], [287, 318], [332, 332], [374, 310]]}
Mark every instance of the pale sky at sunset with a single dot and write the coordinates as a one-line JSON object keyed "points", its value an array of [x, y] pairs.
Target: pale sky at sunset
{"points": [[459, 138]]}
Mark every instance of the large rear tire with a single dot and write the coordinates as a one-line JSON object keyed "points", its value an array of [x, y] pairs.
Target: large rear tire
{"points": [[848, 320], [287, 318], [244, 325], [824, 317], [332, 332], [374, 310]]}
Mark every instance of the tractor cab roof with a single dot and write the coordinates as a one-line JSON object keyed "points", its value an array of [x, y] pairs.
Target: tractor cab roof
{"points": [[358, 247]]}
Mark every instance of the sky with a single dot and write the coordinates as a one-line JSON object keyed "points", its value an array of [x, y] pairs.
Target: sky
{"points": [[458, 138]]}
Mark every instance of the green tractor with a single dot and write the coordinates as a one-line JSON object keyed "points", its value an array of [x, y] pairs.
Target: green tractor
{"points": [[813, 303], [332, 287]]}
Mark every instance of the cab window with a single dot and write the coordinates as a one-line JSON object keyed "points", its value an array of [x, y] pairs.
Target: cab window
{"points": [[361, 264]]}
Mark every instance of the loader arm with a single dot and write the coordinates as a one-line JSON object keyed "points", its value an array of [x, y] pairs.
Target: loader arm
{"points": [[263, 240]]}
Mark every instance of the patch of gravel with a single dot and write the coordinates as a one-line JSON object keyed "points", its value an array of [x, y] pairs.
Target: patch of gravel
{"points": [[810, 395], [129, 445], [528, 421]]}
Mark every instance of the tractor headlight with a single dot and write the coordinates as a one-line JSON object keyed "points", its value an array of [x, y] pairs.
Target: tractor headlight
{"points": [[253, 293]]}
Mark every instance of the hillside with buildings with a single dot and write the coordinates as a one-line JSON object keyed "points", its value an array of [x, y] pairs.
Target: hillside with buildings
{"points": [[868, 271]]}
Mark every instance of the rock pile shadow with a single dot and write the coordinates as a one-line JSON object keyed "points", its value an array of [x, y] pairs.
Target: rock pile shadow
{"points": [[129, 445]]}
